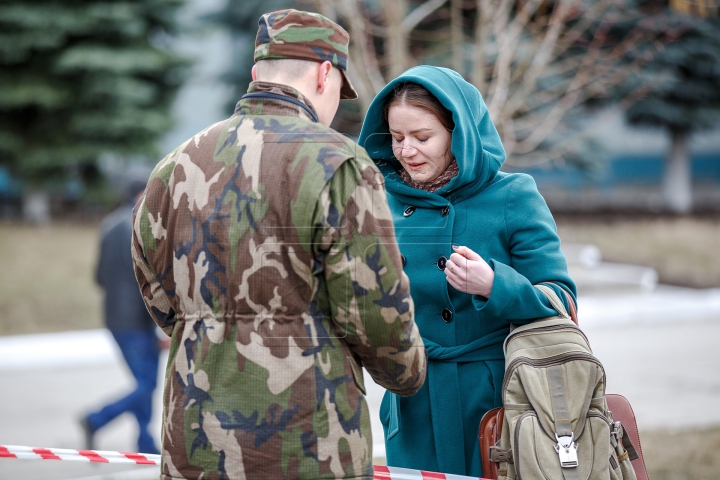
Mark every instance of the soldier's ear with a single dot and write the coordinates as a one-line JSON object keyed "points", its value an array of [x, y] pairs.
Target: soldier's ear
{"points": [[323, 74], [253, 72]]}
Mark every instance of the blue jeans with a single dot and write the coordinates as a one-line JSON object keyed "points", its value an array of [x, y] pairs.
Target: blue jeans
{"points": [[141, 352]]}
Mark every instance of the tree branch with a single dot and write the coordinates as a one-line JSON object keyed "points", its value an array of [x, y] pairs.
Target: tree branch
{"points": [[419, 14]]}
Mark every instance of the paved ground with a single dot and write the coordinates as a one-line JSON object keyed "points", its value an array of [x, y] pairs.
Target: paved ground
{"points": [[665, 362]]}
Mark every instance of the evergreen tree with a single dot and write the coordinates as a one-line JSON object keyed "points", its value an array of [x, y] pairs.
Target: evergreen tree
{"points": [[685, 99], [80, 78]]}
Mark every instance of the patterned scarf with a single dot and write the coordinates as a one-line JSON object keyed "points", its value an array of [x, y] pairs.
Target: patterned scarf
{"points": [[450, 172]]}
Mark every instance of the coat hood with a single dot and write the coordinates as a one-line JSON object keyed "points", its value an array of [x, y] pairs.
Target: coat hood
{"points": [[476, 144]]}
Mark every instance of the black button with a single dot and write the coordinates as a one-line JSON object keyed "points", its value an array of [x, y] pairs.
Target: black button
{"points": [[441, 263], [408, 211], [404, 260], [447, 315], [446, 211]]}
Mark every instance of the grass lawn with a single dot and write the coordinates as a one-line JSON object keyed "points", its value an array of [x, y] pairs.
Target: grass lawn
{"points": [[47, 283], [684, 251], [683, 455], [47, 279]]}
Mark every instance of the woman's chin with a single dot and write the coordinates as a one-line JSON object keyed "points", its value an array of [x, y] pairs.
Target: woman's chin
{"points": [[422, 177], [417, 175]]}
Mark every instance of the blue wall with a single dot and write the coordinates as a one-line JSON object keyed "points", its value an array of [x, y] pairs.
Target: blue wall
{"points": [[622, 171]]}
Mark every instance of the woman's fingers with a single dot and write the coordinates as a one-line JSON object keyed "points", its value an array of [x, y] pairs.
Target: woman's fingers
{"points": [[466, 252], [458, 284], [458, 260], [468, 275], [449, 267], [452, 267], [456, 275]]}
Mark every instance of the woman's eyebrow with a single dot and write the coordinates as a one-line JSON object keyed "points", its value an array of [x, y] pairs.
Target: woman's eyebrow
{"points": [[413, 131]]}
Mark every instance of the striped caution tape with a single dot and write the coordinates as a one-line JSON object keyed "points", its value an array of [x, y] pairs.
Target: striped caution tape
{"points": [[97, 456], [34, 453], [397, 473]]}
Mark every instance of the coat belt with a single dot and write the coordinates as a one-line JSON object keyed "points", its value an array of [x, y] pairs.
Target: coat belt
{"points": [[444, 391]]}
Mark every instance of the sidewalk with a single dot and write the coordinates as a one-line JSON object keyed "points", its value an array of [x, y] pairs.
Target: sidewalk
{"points": [[659, 350]]}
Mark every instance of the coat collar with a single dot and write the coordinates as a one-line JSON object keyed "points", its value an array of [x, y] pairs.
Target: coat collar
{"points": [[294, 103]]}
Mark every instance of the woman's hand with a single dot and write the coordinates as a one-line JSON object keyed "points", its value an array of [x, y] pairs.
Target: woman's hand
{"points": [[469, 273]]}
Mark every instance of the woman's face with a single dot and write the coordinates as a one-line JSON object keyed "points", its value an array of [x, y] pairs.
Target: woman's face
{"points": [[419, 141]]}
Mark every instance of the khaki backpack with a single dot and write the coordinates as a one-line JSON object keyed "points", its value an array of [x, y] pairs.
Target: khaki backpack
{"points": [[556, 423]]}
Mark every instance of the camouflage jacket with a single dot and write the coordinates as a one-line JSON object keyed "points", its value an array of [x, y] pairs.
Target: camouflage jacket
{"points": [[265, 247]]}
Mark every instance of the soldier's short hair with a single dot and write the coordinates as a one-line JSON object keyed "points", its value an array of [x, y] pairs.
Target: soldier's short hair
{"points": [[282, 68]]}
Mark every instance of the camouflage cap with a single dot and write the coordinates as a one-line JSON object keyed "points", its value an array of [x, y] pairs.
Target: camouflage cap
{"points": [[304, 36]]}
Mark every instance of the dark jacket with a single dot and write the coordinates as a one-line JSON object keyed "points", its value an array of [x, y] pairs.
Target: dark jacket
{"points": [[124, 306], [504, 219]]}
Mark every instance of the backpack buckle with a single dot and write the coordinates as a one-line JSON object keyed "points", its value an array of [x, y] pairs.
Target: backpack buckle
{"points": [[567, 450], [499, 455], [618, 431]]}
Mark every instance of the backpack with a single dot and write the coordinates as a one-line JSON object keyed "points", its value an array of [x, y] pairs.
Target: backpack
{"points": [[556, 423]]}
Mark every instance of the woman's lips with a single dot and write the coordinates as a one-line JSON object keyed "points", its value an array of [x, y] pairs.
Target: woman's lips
{"points": [[415, 166]]}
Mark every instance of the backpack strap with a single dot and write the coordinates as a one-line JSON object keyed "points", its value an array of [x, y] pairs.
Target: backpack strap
{"points": [[566, 446], [554, 300], [572, 308]]}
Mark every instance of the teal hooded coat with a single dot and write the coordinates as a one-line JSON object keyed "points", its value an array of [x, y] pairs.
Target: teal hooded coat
{"points": [[504, 219]]}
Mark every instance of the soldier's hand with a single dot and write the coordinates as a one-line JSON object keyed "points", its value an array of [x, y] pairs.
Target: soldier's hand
{"points": [[469, 272]]}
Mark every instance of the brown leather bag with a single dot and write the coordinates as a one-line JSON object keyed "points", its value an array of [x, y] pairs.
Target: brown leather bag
{"points": [[490, 426], [488, 435], [623, 413]]}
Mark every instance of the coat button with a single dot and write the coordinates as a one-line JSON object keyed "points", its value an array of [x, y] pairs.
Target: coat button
{"points": [[441, 263], [404, 260], [446, 211], [447, 315], [408, 211]]}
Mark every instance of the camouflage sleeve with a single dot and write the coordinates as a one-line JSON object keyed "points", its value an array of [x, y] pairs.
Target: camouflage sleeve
{"points": [[154, 296], [369, 292]]}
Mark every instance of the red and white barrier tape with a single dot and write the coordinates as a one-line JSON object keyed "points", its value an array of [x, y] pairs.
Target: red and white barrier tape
{"points": [[34, 453], [397, 473]]}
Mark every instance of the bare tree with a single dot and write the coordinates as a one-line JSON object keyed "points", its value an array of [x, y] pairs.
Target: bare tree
{"points": [[534, 61], [546, 62]]}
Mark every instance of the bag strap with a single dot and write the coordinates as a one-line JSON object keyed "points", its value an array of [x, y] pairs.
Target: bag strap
{"points": [[553, 299], [572, 313], [566, 446], [618, 434]]}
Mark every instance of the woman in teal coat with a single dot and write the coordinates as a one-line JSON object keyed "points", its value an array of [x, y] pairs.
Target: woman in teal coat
{"points": [[474, 241]]}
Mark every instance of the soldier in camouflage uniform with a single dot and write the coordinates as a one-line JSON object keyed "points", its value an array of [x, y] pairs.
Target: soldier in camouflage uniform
{"points": [[265, 248]]}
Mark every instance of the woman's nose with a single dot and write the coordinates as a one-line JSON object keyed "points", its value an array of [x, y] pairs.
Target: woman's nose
{"points": [[408, 150]]}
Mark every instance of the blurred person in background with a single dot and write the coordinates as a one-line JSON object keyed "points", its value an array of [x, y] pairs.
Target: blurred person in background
{"points": [[128, 320]]}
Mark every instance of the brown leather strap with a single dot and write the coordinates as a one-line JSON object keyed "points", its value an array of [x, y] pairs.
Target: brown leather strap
{"points": [[572, 309], [629, 447], [488, 435]]}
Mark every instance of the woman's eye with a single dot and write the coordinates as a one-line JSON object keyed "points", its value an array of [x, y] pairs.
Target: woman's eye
{"points": [[398, 140], [422, 140]]}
